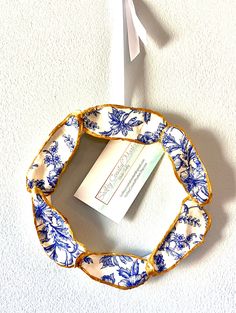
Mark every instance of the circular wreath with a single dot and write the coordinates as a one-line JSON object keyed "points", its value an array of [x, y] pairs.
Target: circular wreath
{"points": [[139, 125]]}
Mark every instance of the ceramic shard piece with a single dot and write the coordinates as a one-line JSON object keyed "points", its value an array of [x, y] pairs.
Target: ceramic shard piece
{"points": [[122, 271]]}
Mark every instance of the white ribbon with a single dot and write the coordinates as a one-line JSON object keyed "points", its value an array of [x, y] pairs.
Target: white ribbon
{"points": [[135, 30]]}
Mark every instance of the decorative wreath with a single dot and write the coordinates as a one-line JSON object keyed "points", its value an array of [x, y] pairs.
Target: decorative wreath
{"points": [[139, 125]]}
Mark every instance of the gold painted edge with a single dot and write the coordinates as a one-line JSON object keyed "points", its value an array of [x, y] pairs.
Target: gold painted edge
{"points": [[120, 106], [94, 134], [79, 260]]}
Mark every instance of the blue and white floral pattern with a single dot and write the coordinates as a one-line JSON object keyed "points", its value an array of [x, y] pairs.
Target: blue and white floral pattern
{"points": [[120, 270], [188, 232], [109, 278], [114, 260], [39, 183], [113, 121], [150, 137], [88, 119], [189, 168], [51, 160], [88, 260], [187, 218], [132, 276], [72, 121], [69, 142], [122, 122], [160, 263], [55, 234], [176, 243]]}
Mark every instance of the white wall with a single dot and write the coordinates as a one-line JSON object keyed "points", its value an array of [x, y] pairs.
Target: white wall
{"points": [[55, 57]]}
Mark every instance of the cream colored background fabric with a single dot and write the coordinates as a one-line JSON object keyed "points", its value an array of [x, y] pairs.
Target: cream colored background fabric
{"points": [[56, 57]]}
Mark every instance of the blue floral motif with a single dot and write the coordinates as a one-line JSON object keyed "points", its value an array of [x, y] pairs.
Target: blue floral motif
{"points": [[72, 121], [113, 260], [131, 276], [88, 122], [54, 160], [39, 183], [30, 183], [150, 137], [175, 244], [146, 116], [54, 234], [95, 112], [187, 164], [206, 217], [120, 122], [160, 262], [109, 278], [195, 179], [188, 219], [147, 137], [88, 260], [69, 142]]}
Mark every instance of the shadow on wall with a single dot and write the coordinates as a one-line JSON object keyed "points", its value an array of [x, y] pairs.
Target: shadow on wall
{"points": [[88, 226], [134, 71], [208, 145]]}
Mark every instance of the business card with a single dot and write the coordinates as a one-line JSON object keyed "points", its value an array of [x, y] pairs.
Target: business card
{"points": [[117, 177]]}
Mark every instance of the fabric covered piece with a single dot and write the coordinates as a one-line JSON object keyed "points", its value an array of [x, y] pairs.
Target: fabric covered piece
{"points": [[50, 162], [123, 271], [124, 122], [188, 232], [189, 168], [54, 233]]}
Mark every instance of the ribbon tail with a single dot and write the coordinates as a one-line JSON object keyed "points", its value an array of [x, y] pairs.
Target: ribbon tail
{"points": [[141, 31], [135, 30]]}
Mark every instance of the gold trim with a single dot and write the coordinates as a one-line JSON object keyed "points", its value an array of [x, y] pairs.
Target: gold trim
{"points": [[150, 266], [79, 261], [82, 112]]}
